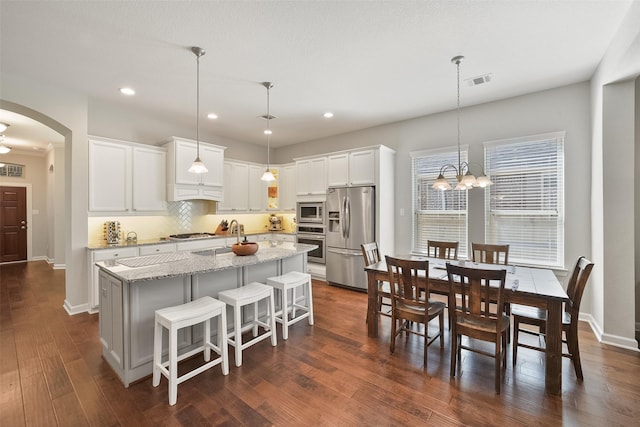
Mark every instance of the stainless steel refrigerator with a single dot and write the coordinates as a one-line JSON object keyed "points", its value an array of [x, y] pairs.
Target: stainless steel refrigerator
{"points": [[350, 223]]}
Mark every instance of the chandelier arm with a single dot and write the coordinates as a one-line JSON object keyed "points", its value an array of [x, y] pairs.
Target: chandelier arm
{"points": [[444, 168]]}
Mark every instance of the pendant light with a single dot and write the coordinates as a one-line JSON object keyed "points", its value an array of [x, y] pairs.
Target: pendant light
{"points": [[267, 175], [197, 166], [466, 179]]}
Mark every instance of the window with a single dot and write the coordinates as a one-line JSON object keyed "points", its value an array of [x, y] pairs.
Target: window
{"points": [[525, 205], [437, 215]]}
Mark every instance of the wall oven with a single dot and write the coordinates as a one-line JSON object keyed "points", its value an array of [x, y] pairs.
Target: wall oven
{"points": [[313, 235], [311, 213]]}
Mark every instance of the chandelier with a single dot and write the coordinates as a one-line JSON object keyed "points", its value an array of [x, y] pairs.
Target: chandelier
{"points": [[267, 175], [466, 179]]}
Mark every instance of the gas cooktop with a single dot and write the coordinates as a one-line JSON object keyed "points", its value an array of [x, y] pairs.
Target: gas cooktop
{"points": [[190, 236]]}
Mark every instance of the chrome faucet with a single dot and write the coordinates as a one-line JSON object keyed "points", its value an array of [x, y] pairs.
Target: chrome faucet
{"points": [[237, 228]]}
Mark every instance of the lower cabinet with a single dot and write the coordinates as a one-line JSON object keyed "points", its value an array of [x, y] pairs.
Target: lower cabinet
{"points": [[127, 310], [111, 323], [103, 255]]}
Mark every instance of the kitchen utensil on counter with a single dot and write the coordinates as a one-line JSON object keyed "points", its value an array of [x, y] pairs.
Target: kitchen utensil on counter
{"points": [[112, 232], [132, 237], [275, 222], [223, 227]]}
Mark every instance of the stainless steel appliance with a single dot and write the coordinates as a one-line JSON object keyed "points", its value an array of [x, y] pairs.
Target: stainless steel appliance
{"points": [[311, 212], [350, 223], [191, 236], [275, 223], [313, 235]]}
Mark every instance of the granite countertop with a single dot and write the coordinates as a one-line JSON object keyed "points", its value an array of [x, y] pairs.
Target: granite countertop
{"points": [[125, 244], [187, 263]]}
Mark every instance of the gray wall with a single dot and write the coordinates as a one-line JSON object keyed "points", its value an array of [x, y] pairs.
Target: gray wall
{"points": [[565, 108], [114, 121]]}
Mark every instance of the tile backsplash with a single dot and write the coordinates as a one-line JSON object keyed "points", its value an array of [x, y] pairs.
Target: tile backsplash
{"points": [[182, 217]]}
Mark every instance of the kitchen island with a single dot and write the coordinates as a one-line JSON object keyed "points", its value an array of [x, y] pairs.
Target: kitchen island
{"points": [[132, 289]]}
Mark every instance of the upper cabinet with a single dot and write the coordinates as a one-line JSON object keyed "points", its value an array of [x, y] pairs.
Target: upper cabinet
{"points": [[236, 178], [351, 168], [126, 177], [287, 187], [257, 189], [311, 177], [184, 185]]}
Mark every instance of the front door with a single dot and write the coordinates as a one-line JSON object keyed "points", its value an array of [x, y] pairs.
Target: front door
{"points": [[13, 224]]}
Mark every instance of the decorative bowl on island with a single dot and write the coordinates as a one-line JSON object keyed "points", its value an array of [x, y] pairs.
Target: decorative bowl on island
{"points": [[244, 248]]}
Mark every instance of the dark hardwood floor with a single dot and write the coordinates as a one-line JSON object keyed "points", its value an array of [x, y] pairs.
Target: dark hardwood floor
{"points": [[52, 373]]}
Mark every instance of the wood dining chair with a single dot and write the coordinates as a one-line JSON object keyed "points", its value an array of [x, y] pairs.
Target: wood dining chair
{"points": [[538, 317], [473, 317], [371, 255], [442, 250], [490, 254], [407, 278]]}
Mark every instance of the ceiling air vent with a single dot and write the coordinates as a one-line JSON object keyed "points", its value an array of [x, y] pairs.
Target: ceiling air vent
{"points": [[474, 81]]}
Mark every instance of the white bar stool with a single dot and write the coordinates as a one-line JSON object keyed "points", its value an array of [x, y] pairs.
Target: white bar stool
{"points": [[292, 280], [239, 297], [174, 318]]}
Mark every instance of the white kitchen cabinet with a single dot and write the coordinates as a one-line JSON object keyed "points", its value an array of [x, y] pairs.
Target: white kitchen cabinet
{"points": [[126, 177], [162, 248], [351, 168], [287, 188], [184, 185], [362, 167], [200, 244], [236, 180], [104, 255], [111, 319], [311, 177], [257, 189], [149, 179], [338, 170]]}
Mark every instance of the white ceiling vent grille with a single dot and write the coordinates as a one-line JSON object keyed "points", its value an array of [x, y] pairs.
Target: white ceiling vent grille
{"points": [[474, 81]]}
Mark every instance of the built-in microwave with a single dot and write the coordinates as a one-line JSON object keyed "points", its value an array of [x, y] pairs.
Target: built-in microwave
{"points": [[310, 212]]}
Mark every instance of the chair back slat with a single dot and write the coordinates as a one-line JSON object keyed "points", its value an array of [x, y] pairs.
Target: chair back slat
{"points": [[490, 254], [475, 288], [370, 253], [407, 279], [577, 284], [442, 250]]}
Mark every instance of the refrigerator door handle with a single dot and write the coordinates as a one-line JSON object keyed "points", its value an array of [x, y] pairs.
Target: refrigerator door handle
{"points": [[347, 211], [343, 218]]}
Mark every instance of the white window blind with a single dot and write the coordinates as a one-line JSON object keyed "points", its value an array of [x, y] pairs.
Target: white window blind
{"points": [[525, 205], [437, 215]]}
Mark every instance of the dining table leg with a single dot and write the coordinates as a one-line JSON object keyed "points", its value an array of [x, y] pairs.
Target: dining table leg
{"points": [[372, 305], [553, 373]]}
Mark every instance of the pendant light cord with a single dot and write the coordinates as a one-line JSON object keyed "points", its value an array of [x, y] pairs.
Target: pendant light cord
{"points": [[268, 131], [459, 158], [198, 106]]}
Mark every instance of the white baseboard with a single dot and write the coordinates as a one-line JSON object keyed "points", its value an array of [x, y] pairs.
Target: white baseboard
{"points": [[71, 310], [614, 340], [39, 258], [59, 266]]}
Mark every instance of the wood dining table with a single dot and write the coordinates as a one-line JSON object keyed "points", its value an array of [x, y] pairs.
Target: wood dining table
{"points": [[536, 287]]}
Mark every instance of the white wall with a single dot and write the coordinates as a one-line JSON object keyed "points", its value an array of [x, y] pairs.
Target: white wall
{"points": [[621, 62], [66, 113]]}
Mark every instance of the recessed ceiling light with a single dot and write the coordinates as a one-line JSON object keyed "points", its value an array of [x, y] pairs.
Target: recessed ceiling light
{"points": [[127, 91], [328, 114], [212, 116], [3, 127]]}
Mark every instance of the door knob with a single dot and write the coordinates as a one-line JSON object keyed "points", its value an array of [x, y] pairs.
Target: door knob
{"points": [[23, 227], [23, 222]]}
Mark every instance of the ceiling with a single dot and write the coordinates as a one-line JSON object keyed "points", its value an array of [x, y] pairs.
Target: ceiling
{"points": [[369, 62]]}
